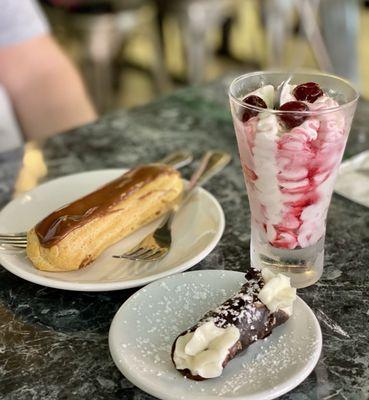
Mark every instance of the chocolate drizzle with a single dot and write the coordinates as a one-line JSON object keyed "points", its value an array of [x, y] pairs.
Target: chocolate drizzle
{"points": [[245, 311], [61, 222]]}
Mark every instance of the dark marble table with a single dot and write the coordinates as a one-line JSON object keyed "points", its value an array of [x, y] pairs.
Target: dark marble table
{"points": [[54, 343]]}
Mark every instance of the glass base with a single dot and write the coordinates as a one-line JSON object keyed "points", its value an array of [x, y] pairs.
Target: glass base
{"points": [[303, 266]]}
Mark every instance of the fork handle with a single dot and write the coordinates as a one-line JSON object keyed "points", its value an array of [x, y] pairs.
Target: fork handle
{"points": [[211, 163], [177, 159]]}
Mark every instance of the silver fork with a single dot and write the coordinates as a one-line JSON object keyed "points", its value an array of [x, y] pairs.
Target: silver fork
{"points": [[177, 159], [13, 241], [156, 245], [18, 241]]}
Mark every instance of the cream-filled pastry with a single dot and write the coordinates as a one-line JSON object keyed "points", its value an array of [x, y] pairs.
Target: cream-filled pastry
{"points": [[264, 302], [77, 233]]}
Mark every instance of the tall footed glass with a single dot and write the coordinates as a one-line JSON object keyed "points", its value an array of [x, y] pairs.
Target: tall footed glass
{"points": [[291, 133]]}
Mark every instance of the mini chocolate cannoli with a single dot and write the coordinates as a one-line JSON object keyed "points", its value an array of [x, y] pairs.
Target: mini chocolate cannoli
{"points": [[263, 303]]}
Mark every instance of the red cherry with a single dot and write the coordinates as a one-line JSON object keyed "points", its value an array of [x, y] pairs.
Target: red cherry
{"points": [[252, 100], [309, 91], [291, 120]]}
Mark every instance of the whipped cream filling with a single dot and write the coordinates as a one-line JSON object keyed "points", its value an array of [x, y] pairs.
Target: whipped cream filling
{"points": [[267, 93], [277, 293], [290, 172], [267, 185], [286, 94], [204, 350], [319, 141]]}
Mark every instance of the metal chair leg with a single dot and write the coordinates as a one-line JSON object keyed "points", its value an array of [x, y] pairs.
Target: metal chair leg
{"points": [[159, 69], [194, 36], [313, 33]]}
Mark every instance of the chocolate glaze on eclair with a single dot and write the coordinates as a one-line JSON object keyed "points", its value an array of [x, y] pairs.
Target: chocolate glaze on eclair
{"points": [[52, 229]]}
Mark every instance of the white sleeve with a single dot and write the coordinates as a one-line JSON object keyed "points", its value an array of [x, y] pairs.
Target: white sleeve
{"points": [[10, 133], [21, 20]]}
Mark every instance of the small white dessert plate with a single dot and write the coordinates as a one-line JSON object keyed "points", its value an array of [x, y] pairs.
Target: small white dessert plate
{"points": [[144, 328], [197, 228]]}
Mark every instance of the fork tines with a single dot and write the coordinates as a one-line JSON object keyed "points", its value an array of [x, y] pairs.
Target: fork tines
{"points": [[12, 241], [143, 254]]}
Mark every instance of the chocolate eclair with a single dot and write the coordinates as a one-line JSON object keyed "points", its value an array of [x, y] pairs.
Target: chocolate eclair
{"points": [[77, 233], [264, 302]]}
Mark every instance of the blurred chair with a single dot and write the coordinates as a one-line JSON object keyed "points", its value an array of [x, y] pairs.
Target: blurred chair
{"points": [[329, 26], [279, 21], [100, 29], [340, 21], [196, 18]]}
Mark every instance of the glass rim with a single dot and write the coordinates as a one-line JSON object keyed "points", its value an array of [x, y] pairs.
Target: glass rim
{"points": [[299, 72]]}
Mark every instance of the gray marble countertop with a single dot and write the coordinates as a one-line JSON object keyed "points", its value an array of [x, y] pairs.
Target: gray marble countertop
{"points": [[54, 343]]}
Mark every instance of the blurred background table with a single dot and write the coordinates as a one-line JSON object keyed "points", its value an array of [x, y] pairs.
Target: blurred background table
{"points": [[54, 343]]}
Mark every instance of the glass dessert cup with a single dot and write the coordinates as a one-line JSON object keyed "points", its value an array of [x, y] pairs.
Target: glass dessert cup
{"points": [[290, 155]]}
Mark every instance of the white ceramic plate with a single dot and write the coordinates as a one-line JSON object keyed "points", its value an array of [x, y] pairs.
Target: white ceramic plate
{"points": [[197, 228], [144, 328]]}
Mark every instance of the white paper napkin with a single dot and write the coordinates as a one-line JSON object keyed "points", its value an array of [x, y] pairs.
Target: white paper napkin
{"points": [[353, 179]]}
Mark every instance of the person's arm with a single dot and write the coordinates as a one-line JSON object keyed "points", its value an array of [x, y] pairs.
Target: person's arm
{"points": [[46, 91]]}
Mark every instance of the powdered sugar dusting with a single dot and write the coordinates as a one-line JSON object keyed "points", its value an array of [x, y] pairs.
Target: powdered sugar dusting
{"points": [[147, 335], [171, 314], [239, 306], [275, 356]]}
